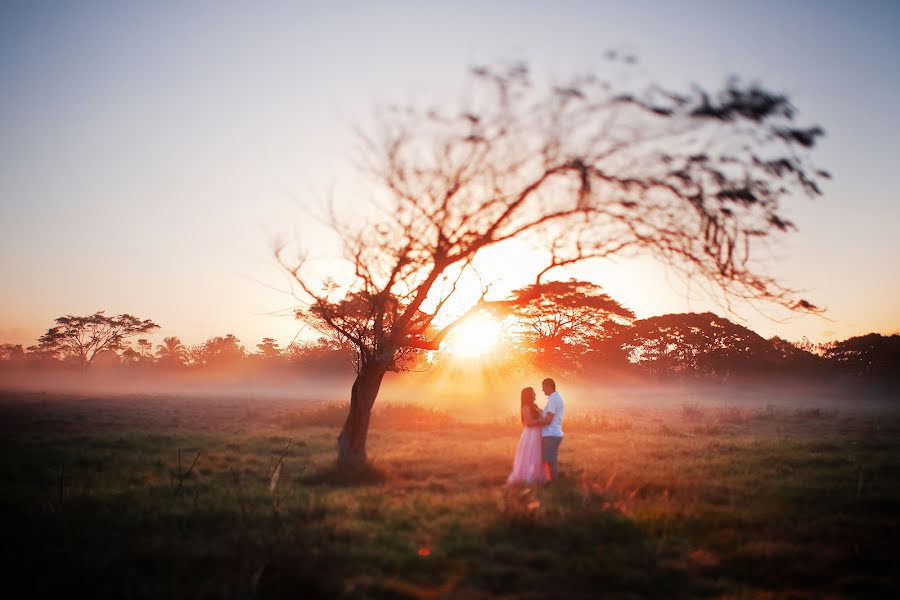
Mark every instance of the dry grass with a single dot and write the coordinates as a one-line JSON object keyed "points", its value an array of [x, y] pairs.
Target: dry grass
{"points": [[692, 410], [332, 414]]}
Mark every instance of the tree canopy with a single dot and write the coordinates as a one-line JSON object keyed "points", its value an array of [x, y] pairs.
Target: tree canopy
{"points": [[83, 338], [561, 321]]}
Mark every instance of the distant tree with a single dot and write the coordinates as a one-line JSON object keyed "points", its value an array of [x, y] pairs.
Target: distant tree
{"points": [[172, 352], [694, 344], [43, 356], [12, 353], [694, 178], [796, 357], [145, 348], [562, 321], [219, 351], [139, 353], [109, 359], [819, 349], [130, 356], [83, 338], [268, 349], [322, 355], [873, 355]]}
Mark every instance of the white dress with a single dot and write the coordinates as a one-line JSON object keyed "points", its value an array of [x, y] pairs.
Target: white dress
{"points": [[528, 465]]}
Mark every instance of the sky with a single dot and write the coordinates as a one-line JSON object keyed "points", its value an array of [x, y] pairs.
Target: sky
{"points": [[151, 153]]}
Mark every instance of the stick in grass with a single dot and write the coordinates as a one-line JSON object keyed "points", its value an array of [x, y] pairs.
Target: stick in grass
{"points": [[183, 476], [273, 463], [276, 472]]}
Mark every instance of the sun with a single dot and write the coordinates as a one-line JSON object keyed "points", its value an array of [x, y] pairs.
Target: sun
{"points": [[474, 337]]}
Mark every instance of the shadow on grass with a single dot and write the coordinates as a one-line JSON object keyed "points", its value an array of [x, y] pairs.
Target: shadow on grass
{"points": [[107, 549], [346, 475], [551, 540]]}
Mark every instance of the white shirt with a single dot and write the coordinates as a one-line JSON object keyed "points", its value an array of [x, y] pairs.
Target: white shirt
{"points": [[555, 406]]}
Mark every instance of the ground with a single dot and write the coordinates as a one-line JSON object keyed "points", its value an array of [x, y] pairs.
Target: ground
{"points": [[103, 496]]}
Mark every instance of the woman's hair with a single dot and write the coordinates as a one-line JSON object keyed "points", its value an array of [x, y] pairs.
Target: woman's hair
{"points": [[526, 398]]}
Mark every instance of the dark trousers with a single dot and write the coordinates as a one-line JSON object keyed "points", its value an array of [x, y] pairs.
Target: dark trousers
{"points": [[551, 453]]}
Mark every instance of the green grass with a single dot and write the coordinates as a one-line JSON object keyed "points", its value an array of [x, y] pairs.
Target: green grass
{"points": [[653, 504]]}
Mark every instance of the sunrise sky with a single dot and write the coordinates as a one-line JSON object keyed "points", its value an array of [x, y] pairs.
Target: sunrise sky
{"points": [[150, 154]]}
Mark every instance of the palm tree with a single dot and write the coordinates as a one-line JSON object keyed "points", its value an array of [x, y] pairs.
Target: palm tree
{"points": [[172, 351]]}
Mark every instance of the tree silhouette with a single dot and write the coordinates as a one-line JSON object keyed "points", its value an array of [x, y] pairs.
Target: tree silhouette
{"points": [[130, 356], [796, 358], [145, 348], [84, 338], [141, 353], [694, 178], [12, 353], [268, 349], [322, 355], [560, 321], [872, 354], [172, 352], [219, 351], [696, 344]]}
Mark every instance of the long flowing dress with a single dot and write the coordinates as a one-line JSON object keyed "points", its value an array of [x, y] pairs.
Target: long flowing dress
{"points": [[528, 465]]}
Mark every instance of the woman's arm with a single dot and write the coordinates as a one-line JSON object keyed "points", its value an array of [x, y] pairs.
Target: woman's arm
{"points": [[529, 419]]}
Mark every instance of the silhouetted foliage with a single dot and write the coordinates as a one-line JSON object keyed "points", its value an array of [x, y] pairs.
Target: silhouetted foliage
{"points": [[218, 351], [82, 338], [562, 322], [12, 353], [695, 344], [873, 354], [268, 349], [796, 358], [323, 355], [172, 352]]}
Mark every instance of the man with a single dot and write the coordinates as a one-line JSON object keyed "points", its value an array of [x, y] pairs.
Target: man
{"points": [[551, 431]]}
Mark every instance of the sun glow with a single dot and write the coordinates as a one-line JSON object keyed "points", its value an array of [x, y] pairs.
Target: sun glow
{"points": [[474, 337]]}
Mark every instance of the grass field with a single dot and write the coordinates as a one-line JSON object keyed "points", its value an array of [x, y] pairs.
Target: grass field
{"points": [[688, 502]]}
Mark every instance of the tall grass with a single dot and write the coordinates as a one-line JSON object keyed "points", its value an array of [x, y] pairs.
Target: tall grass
{"points": [[387, 415]]}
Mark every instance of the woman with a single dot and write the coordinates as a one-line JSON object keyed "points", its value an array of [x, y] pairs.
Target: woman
{"points": [[528, 466]]}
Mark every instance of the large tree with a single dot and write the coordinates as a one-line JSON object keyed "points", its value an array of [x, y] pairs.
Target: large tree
{"points": [[695, 344], [694, 178], [84, 338], [172, 352], [560, 321]]}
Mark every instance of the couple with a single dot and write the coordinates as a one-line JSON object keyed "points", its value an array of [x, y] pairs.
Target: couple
{"points": [[536, 456]]}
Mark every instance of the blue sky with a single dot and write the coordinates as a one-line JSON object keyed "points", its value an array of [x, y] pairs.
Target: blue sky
{"points": [[150, 152]]}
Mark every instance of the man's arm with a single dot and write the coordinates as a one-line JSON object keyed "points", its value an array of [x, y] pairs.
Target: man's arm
{"points": [[547, 419]]}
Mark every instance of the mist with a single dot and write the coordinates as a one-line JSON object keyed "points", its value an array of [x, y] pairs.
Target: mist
{"points": [[467, 393]]}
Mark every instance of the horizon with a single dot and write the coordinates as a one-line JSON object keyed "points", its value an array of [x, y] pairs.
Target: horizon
{"points": [[152, 178], [495, 328]]}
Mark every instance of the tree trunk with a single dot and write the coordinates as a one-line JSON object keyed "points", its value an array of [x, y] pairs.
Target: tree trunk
{"points": [[352, 440]]}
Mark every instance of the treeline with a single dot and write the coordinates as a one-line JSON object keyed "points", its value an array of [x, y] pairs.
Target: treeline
{"points": [[574, 326], [567, 327], [707, 346], [217, 354], [104, 342]]}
